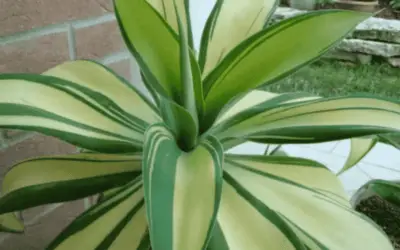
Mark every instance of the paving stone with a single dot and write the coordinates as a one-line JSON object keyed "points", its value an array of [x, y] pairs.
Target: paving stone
{"points": [[377, 172], [383, 155], [353, 178]]}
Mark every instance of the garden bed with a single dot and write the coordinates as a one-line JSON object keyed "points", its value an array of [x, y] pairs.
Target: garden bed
{"points": [[386, 215]]}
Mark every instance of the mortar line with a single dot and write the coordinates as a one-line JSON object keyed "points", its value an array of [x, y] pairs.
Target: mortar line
{"points": [[78, 24], [55, 28], [115, 57], [33, 33], [71, 42]]}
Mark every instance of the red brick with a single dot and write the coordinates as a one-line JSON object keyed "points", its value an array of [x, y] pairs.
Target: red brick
{"points": [[97, 41], [36, 146], [22, 15], [41, 233], [35, 55], [122, 68]]}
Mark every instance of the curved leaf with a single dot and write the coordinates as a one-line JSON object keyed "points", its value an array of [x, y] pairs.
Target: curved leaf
{"points": [[392, 139], [236, 20], [252, 99], [181, 122], [290, 203], [174, 184], [258, 97], [313, 121], [156, 49], [80, 113], [9, 223], [100, 79], [118, 222], [170, 14], [273, 53], [359, 148], [50, 180], [192, 89]]}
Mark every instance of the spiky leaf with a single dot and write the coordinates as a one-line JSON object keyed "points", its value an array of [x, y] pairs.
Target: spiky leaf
{"points": [[181, 211]]}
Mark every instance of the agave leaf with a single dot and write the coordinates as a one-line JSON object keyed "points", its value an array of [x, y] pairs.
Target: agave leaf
{"points": [[313, 121], [181, 122], [235, 19], [118, 222], [9, 223], [288, 203], [392, 139], [272, 54], [99, 110], [359, 148], [156, 49], [64, 178], [192, 89], [174, 184], [171, 10]]}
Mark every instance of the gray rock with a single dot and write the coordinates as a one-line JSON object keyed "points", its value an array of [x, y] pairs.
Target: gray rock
{"points": [[379, 29], [394, 61], [370, 47], [354, 57]]}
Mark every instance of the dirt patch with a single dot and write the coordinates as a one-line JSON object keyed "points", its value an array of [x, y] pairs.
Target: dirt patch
{"points": [[385, 215]]}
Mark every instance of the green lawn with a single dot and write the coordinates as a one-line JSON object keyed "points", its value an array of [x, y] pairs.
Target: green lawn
{"points": [[328, 78]]}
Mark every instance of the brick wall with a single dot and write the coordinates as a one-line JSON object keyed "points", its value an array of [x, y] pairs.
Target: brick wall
{"points": [[37, 35]]}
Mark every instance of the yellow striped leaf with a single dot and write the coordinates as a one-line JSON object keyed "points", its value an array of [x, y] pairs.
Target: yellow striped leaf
{"points": [[235, 19], [272, 54], [392, 139], [100, 79], [313, 121], [170, 14], [258, 97], [64, 178], [359, 147], [174, 184], [97, 112], [157, 49], [10, 223], [116, 223], [252, 99], [273, 202]]}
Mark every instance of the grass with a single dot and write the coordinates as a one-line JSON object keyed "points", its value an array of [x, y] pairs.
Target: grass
{"points": [[328, 79]]}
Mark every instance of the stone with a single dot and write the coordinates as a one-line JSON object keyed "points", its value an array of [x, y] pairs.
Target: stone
{"points": [[379, 29], [354, 57], [370, 47], [364, 6], [394, 61], [282, 13]]}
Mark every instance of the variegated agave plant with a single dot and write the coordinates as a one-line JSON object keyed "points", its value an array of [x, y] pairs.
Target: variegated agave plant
{"points": [[164, 179]]}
